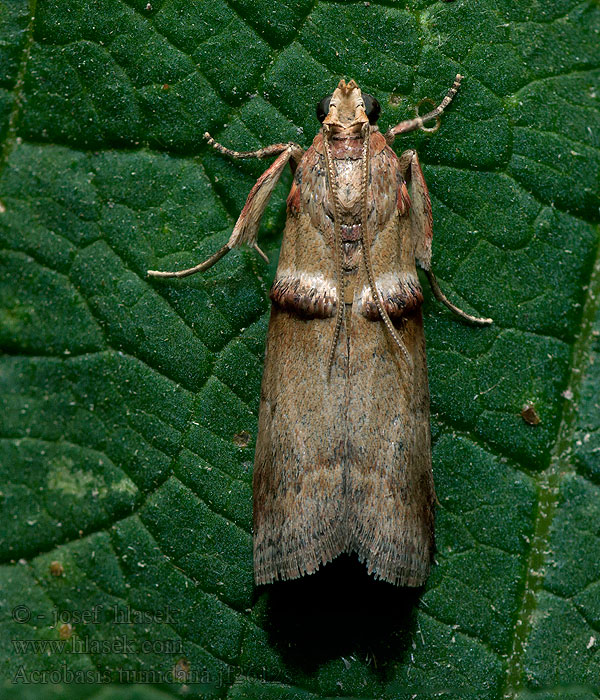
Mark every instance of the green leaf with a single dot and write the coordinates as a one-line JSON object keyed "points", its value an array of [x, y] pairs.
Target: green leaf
{"points": [[129, 406]]}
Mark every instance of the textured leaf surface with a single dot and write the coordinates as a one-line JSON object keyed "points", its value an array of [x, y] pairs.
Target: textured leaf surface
{"points": [[129, 407]]}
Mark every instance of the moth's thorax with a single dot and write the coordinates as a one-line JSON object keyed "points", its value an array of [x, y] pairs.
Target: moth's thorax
{"points": [[347, 152], [349, 184], [305, 284]]}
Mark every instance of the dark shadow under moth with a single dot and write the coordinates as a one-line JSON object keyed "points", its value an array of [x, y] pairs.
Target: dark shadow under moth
{"points": [[343, 455]]}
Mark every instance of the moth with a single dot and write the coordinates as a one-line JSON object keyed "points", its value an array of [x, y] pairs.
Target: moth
{"points": [[343, 455]]}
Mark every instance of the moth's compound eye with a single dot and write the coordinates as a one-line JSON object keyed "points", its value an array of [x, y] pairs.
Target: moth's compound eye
{"points": [[323, 108], [372, 108]]}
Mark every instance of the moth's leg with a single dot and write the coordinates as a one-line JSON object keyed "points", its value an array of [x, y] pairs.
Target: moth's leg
{"points": [[246, 227], [440, 296], [417, 123], [209, 262], [422, 229], [266, 152]]}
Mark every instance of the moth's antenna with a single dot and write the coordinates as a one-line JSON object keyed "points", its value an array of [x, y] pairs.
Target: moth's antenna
{"points": [[338, 251], [418, 123], [366, 248]]}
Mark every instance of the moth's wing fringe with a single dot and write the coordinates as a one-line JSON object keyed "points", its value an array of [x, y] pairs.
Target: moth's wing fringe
{"points": [[407, 565], [401, 567], [294, 563]]}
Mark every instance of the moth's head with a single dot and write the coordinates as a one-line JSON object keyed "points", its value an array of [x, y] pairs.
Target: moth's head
{"points": [[347, 109]]}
